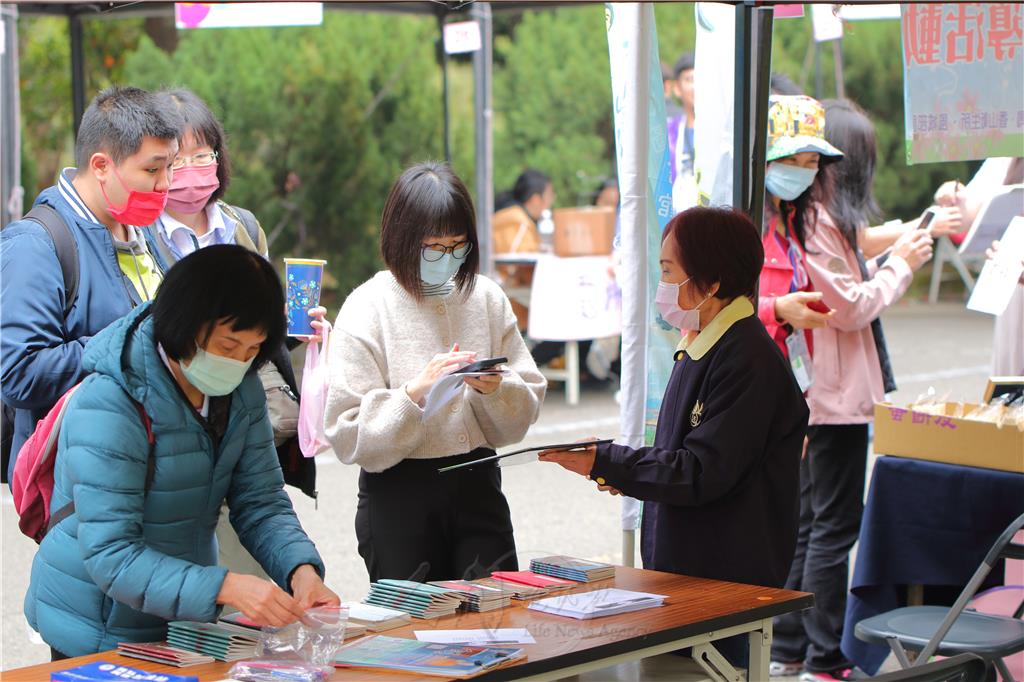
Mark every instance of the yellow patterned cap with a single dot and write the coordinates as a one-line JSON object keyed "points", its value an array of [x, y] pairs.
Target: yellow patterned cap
{"points": [[796, 123]]}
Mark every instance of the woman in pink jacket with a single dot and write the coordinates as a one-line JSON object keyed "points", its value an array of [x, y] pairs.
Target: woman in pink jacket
{"points": [[851, 372], [788, 304]]}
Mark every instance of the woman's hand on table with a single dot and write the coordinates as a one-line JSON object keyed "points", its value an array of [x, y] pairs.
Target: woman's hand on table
{"points": [[579, 462], [259, 600]]}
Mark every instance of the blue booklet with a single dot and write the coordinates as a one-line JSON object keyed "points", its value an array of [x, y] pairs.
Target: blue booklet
{"points": [[446, 660], [110, 672]]}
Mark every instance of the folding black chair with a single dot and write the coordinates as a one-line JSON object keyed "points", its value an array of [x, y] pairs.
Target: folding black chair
{"points": [[945, 631], [959, 668]]}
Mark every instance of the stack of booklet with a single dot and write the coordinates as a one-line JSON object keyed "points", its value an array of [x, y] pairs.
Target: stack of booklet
{"points": [[374, 618], [478, 596], [160, 652], [518, 591], [542, 582], [417, 599], [223, 641], [454, 661], [609, 602], [569, 568]]}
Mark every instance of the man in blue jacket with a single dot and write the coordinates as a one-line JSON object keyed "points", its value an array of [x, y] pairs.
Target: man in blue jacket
{"points": [[124, 151]]}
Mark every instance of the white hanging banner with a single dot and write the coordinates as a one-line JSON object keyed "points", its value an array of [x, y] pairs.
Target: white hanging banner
{"points": [[713, 77], [247, 14], [641, 146]]}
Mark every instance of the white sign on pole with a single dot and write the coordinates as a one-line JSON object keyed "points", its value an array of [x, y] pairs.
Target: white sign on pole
{"points": [[247, 14], [462, 37], [855, 12], [573, 299], [827, 26]]}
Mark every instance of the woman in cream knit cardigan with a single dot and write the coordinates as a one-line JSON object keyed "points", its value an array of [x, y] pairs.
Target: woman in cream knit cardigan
{"points": [[396, 335]]}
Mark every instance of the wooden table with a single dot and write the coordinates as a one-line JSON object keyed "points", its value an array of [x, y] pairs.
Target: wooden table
{"points": [[696, 613]]}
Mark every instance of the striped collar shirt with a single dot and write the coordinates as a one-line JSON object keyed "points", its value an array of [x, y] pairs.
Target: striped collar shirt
{"points": [[71, 195]]}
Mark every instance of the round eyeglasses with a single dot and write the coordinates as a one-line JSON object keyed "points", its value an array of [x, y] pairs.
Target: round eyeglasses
{"points": [[434, 252]]}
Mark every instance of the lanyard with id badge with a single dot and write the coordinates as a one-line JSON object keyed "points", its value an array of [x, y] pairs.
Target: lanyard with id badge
{"points": [[800, 359]]}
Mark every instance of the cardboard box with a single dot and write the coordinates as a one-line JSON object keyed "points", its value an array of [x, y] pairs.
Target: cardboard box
{"points": [[585, 231], [903, 432]]}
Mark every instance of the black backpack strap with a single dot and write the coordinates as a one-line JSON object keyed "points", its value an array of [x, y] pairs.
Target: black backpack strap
{"points": [[64, 244]]}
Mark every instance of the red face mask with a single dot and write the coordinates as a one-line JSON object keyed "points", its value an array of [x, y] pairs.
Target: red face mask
{"points": [[140, 209], [191, 188]]}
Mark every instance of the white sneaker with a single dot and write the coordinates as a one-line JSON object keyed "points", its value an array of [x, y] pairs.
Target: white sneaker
{"points": [[784, 669]]}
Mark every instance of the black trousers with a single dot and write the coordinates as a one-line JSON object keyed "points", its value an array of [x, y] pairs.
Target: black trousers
{"points": [[413, 523], [831, 506], [57, 656]]}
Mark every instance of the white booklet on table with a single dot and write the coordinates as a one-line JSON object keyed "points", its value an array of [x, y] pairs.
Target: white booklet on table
{"points": [[606, 602]]}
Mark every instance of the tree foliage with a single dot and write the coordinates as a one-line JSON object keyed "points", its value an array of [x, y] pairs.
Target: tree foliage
{"points": [[322, 119]]}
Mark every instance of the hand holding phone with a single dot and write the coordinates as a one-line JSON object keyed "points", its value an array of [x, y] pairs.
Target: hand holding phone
{"points": [[488, 365]]}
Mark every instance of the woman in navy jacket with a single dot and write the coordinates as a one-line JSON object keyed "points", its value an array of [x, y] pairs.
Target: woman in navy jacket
{"points": [[720, 483]]}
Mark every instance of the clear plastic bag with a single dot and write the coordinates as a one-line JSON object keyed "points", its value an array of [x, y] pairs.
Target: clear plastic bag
{"points": [[276, 670], [931, 403], [996, 412], [315, 639]]}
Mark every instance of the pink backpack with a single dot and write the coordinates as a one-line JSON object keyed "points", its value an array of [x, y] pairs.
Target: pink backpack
{"points": [[32, 482]]}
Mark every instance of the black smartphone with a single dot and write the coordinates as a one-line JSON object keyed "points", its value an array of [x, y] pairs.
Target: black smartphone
{"points": [[482, 366], [926, 220]]}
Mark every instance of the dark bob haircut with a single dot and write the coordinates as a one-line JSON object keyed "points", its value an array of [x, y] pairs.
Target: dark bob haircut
{"points": [[118, 119], [718, 245], [428, 200], [220, 283], [200, 121]]}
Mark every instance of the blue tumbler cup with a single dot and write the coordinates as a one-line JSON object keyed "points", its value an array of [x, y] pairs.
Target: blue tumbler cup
{"points": [[303, 277]]}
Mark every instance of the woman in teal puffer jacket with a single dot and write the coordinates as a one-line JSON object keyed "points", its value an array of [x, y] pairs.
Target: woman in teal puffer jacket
{"points": [[139, 548]]}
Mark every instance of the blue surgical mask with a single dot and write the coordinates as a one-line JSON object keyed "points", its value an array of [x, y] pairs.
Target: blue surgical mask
{"points": [[214, 374], [788, 182], [438, 271]]}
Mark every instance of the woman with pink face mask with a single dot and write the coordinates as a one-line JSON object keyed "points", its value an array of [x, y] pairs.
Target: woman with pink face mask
{"points": [[195, 217]]}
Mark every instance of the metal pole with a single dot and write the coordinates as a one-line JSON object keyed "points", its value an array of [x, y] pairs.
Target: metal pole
{"points": [[11, 191], [764, 17], [483, 115], [742, 107], [77, 69], [837, 54], [818, 87], [444, 89]]}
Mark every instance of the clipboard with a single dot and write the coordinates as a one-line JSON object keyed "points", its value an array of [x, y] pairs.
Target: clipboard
{"points": [[538, 448], [992, 220]]}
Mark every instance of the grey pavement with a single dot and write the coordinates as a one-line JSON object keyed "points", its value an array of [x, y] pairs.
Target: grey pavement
{"points": [[553, 511]]}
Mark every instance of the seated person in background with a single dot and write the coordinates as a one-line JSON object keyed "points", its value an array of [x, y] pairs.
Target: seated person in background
{"points": [[514, 230]]}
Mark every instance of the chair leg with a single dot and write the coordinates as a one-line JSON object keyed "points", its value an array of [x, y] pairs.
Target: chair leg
{"points": [[899, 651], [937, 262], [572, 368], [961, 268], [1004, 671]]}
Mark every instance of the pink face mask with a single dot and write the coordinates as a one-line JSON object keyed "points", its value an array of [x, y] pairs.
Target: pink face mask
{"points": [[140, 209], [191, 188]]}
